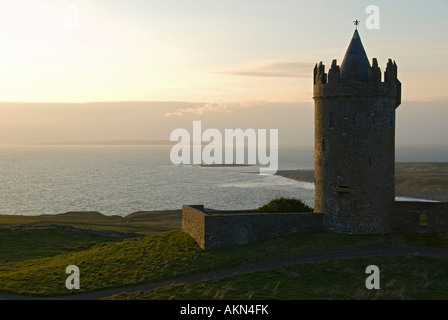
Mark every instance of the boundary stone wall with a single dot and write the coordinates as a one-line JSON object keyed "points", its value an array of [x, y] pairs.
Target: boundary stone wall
{"points": [[413, 216], [228, 229]]}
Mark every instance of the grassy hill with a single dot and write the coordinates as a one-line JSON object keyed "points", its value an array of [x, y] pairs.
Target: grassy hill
{"points": [[427, 180], [144, 222], [403, 277], [33, 261]]}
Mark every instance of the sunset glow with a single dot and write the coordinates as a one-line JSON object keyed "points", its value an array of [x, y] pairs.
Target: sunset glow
{"points": [[202, 53]]}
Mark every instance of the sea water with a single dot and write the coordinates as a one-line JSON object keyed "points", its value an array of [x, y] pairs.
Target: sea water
{"points": [[119, 180]]}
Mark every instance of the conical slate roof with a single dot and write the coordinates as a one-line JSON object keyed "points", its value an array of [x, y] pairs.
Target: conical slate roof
{"points": [[355, 57]]}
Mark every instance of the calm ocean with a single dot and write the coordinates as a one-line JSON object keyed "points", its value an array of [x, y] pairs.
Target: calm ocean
{"points": [[119, 180]]}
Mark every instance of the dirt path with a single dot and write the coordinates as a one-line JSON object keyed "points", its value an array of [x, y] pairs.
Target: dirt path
{"points": [[352, 253]]}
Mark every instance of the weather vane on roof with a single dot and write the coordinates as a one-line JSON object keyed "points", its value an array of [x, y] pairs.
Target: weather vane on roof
{"points": [[356, 23]]}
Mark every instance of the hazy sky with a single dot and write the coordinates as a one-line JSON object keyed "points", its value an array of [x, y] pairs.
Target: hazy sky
{"points": [[67, 66]]}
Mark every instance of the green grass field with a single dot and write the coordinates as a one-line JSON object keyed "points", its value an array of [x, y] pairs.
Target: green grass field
{"points": [[431, 177], [423, 179], [402, 277], [152, 258], [33, 262], [19, 244]]}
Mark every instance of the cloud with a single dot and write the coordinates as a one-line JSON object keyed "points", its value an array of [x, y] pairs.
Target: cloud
{"points": [[277, 69], [224, 107]]}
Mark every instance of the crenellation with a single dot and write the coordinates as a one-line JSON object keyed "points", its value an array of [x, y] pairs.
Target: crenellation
{"points": [[375, 71], [390, 75], [334, 74], [332, 86], [320, 77]]}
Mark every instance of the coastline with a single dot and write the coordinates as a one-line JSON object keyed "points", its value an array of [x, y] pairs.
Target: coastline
{"points": [[411, 182], [405, 190], [234, 165]]}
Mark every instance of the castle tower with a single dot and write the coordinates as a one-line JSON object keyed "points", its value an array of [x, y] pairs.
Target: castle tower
{"points": [[355, 142]]}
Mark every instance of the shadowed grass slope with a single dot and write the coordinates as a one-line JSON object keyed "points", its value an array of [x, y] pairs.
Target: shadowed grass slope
{"points": [[165, 256], [20, 244], [154, 258], [401, 277]]}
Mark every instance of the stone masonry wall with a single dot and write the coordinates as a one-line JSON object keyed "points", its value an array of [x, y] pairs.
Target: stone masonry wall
{"points": [[410, 216], [222, 230], [193, 223], [229, 229]]}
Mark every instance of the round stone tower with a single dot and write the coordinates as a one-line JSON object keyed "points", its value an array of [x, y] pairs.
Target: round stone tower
{"points": [[355, 142]]}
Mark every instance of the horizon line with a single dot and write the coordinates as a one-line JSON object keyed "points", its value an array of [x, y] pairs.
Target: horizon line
{"points": [[162, 142], [432, 99]]}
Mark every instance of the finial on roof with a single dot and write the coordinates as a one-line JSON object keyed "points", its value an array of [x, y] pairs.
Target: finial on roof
{"points": [[356, 23]]}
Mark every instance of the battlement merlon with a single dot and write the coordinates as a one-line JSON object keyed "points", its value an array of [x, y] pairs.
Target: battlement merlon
{"points": [[330, 85], [391, 76], [320, 77]]}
